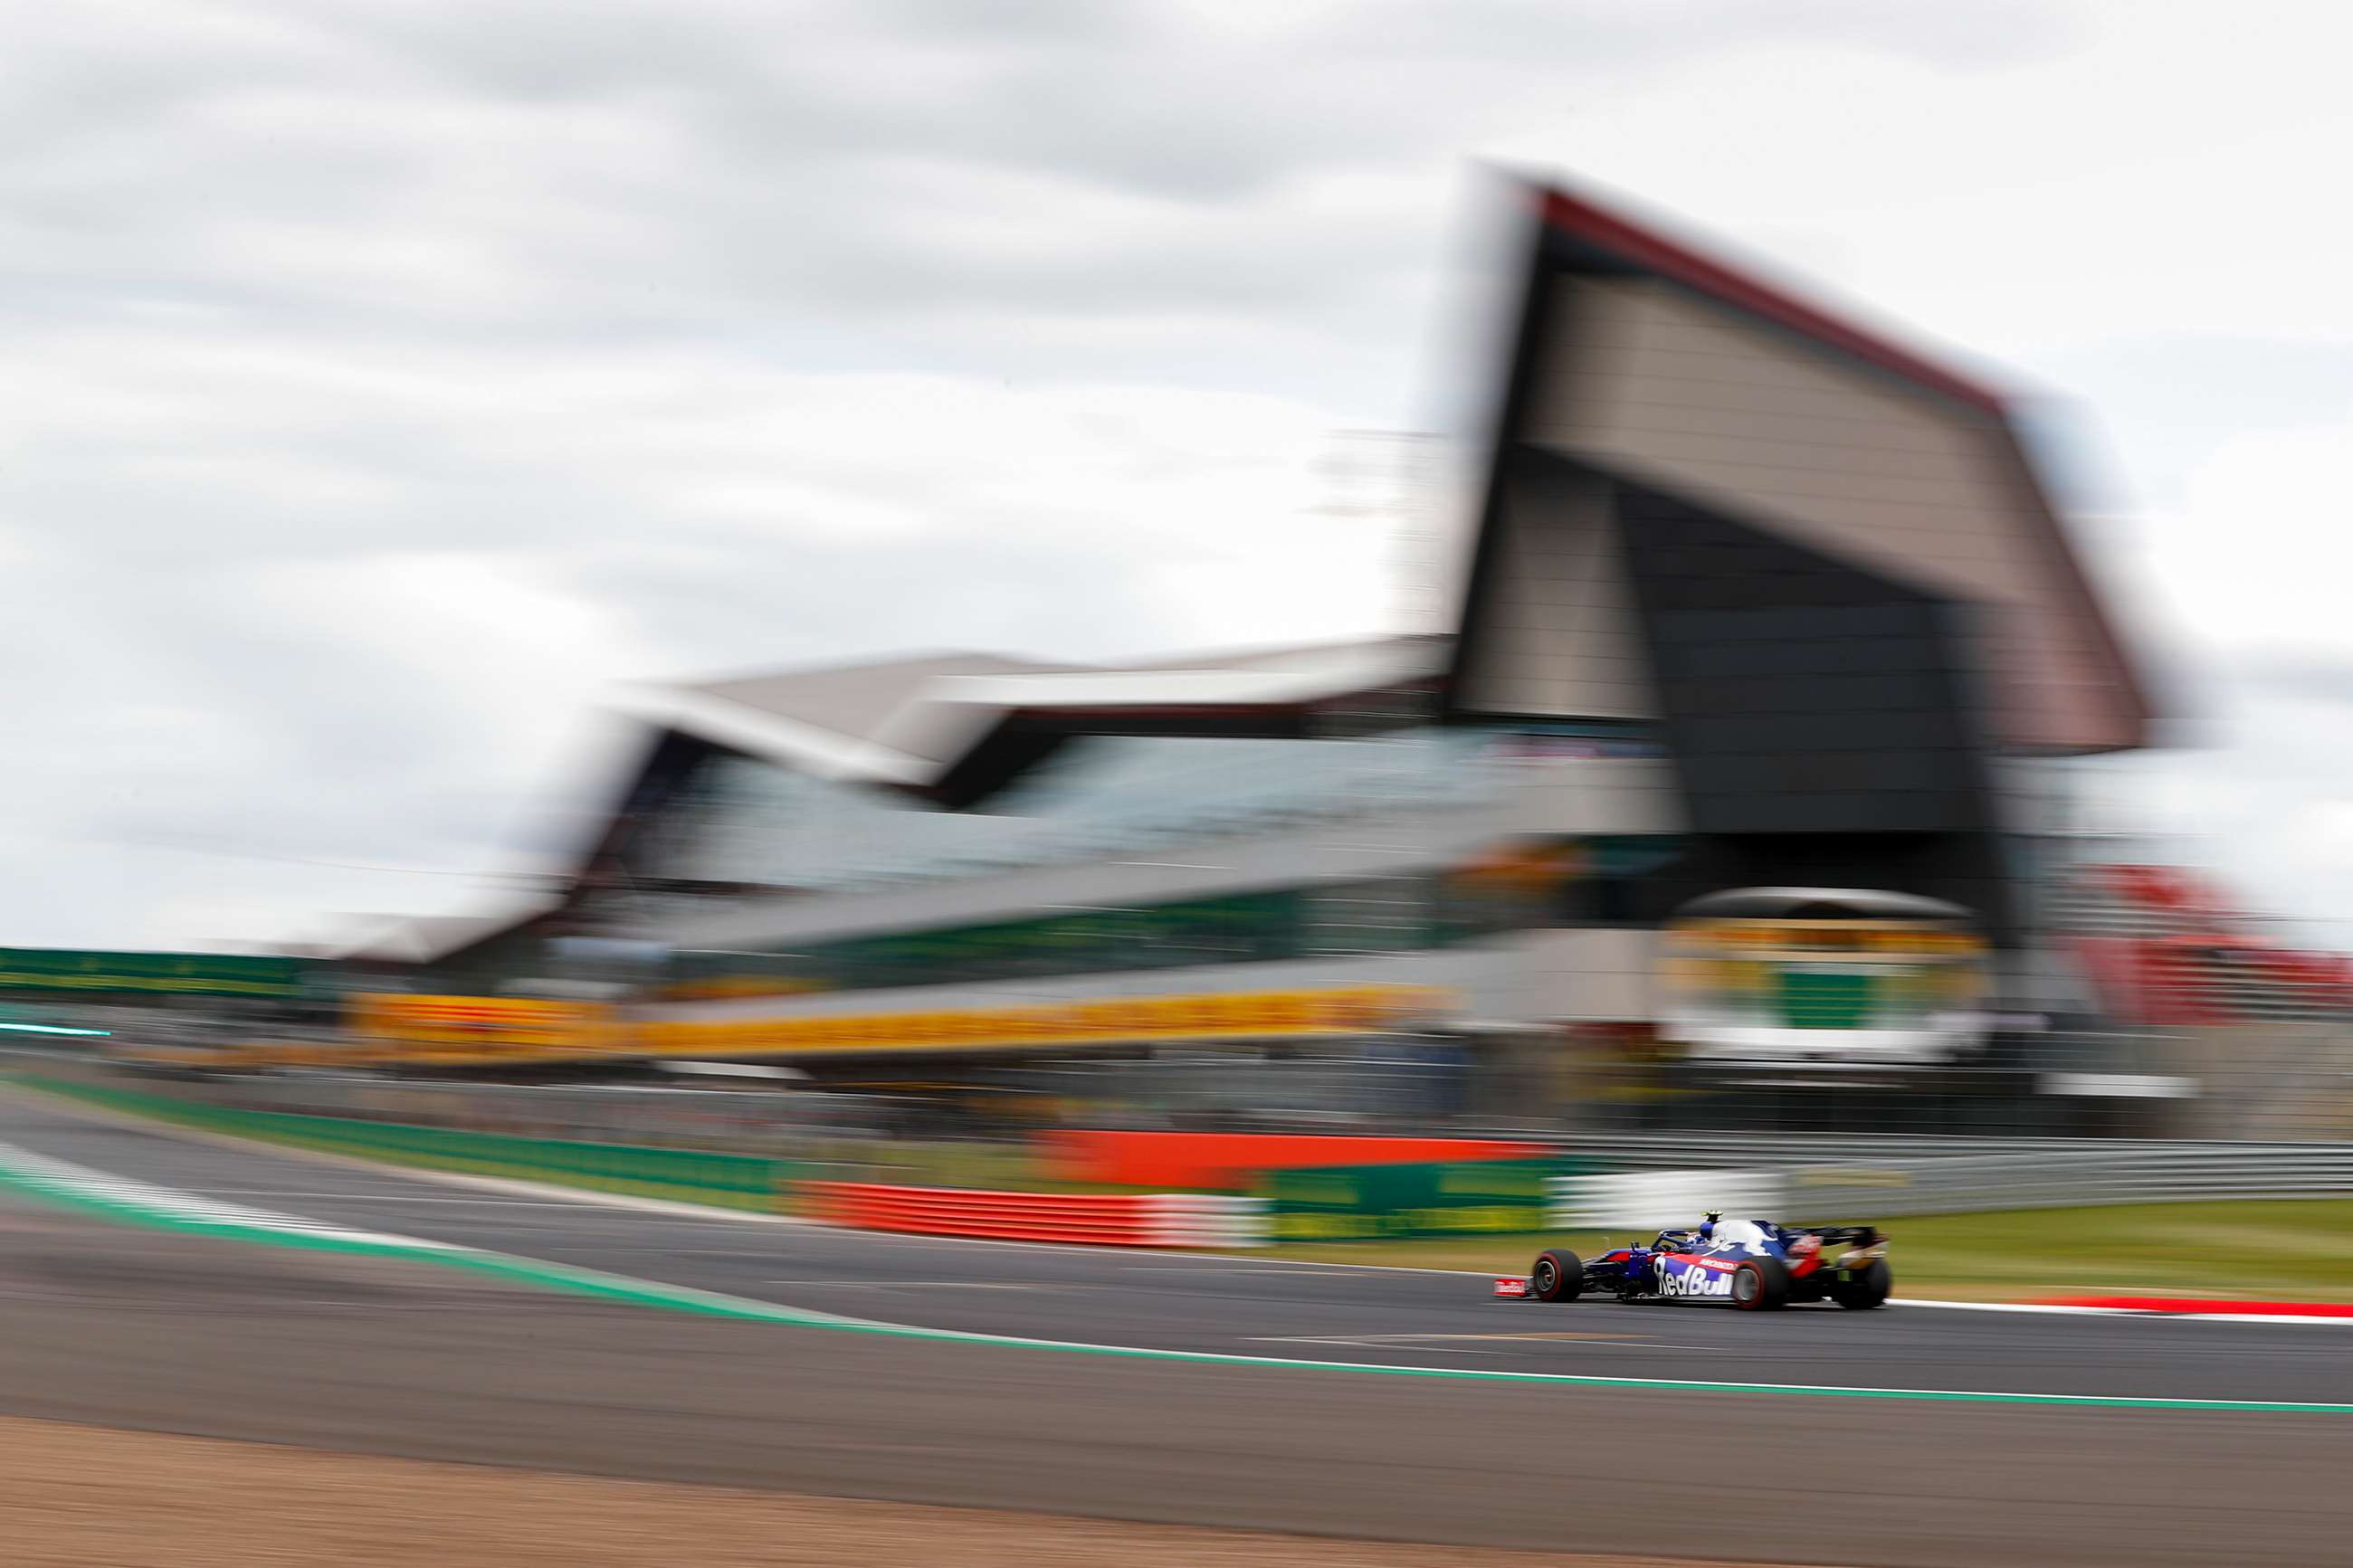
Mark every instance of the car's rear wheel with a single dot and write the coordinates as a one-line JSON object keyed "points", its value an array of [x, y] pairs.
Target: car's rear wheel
{"points": [[1865, 1287], [1555, 1276], [1760, 1284]]}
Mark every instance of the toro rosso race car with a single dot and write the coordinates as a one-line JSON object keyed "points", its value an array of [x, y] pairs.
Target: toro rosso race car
{"points": [[1752, 1264]]}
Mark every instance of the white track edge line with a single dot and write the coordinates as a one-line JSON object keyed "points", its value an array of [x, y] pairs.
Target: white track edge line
{"points": [[587, 1197], [2341, 1320]]}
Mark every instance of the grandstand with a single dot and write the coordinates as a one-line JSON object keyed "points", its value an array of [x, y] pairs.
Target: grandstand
{"points": [[1756, 598], [2165, 946]]}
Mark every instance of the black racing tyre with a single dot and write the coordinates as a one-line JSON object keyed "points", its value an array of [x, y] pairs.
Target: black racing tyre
{"points": [[1867, 1287], [1555, 1276], [1760, 1284]]}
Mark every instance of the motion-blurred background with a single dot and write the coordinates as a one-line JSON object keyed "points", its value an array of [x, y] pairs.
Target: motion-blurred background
{"points": [[979, 570]]}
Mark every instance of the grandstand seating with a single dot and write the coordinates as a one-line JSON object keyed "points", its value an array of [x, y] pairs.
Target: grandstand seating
{"points": [[2164, 946]]}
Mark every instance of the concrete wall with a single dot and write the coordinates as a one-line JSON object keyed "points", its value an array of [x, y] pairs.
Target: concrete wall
{"points": [[1596, 976]]}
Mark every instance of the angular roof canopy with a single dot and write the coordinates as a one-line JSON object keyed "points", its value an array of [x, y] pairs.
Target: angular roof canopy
{"points": [[1636, 354], [852, 701], [431, 939], [908, 721]]}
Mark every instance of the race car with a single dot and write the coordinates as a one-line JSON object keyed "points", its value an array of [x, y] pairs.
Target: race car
{"points": [[1752, 1264]]}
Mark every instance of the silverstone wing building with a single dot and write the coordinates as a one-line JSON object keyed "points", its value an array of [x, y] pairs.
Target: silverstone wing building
{"points": [[1756, 600]]}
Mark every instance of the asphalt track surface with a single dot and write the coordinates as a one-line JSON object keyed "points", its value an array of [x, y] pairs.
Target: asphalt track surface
{"points": [[140, 1328]]}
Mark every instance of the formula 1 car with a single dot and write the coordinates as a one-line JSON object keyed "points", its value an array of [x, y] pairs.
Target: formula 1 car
{"points": [[1751, 1264]]}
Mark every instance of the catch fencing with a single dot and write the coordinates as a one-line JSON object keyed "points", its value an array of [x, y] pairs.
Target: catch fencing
{"points": [[1873, 1187], [677, 1118]]}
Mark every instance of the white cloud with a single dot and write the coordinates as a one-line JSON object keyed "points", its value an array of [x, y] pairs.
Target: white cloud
{"points": [[383, 378], [2258, 557]]}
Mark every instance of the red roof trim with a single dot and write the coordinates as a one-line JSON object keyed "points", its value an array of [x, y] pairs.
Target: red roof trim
{"points": [[1579, 218]]}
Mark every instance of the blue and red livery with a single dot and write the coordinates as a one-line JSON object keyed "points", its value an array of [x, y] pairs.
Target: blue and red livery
{"points": [[1752, 1264]]}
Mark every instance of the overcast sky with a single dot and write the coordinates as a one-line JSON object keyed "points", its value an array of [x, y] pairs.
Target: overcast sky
{"points": [[386, 380]]}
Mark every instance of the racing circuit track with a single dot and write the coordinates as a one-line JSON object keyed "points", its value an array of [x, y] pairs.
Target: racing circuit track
{"points": [[392, 1356]]}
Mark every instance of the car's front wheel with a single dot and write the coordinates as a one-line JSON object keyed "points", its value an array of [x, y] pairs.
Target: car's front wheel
{"points": [[1555, 1276]]}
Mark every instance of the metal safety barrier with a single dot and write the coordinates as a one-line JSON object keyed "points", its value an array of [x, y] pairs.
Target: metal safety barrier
{"points": [[2065, 1179], [1670, 1177], [2068, 1176]]}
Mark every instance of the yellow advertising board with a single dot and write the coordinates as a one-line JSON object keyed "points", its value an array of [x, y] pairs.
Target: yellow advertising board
{"points": [[468, 1023], [488, 1028], [1247, 1014]]}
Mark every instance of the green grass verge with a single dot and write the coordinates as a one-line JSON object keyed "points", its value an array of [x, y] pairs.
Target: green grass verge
{"points": [[297, 1133], [2293, 1250], [1007, 1167]]}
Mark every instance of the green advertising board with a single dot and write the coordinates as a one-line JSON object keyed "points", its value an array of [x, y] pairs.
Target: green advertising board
{"points": [[1380, 1203], [65, 971]]}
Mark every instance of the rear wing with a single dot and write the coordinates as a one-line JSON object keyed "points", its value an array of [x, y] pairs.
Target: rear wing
{"points": [[1838, 1234]]}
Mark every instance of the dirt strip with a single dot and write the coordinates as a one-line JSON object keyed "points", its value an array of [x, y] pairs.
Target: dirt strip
{"points": [[87, 1497]]}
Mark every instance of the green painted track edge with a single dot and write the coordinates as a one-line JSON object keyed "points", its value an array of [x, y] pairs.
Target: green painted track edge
{"points": [[685, 1298]]}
